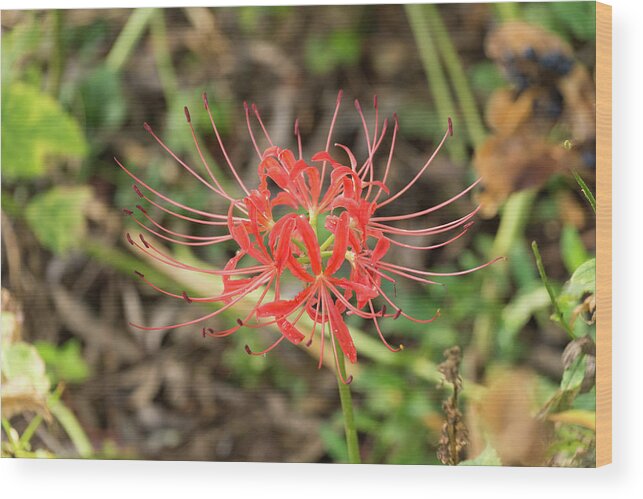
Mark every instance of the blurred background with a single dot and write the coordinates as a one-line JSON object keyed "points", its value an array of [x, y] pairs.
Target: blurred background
{"points": [[518, 82]]}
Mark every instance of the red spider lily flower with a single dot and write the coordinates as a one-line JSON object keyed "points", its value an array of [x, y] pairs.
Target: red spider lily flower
{"points": [[312, 221]]}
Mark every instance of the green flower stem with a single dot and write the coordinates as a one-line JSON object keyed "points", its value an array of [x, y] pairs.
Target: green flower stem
{"points": [[327, 242], [347, 410], [306, 259]]}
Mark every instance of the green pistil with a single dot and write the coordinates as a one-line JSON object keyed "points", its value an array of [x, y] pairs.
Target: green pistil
{"points": [[306, 259], [300, 245], [312, 218], [327, 242]]}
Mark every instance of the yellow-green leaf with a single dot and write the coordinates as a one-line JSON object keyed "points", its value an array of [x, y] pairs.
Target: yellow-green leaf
{"points": [[35, 128], [57, 217]]}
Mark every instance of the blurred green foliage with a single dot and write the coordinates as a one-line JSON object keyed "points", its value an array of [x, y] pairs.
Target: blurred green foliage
{"points": [[59, 138], [57, 217], [64, 362], [35, 128]]}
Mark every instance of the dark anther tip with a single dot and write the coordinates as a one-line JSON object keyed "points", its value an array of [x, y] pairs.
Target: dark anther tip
{"points": [[127, 212], [383, 310], [187, 114], [203, 333], [186, 297], [137, 191], [140, 208], [309, 342], [240, 322], [129, 239], [349, 380], [397, 314], [145, 243], [139, 274], [205, 99], [450, 127], [247, 349]]}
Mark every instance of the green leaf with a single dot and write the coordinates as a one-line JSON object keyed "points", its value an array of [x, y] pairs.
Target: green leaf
{"points": [[488, 457], [35, 128], [103, 99], [485, 77], [23, 367], [64, 362], [574, 375], [583, 280], [578, 17], [57, 217], [517, 314], [572, 248]]}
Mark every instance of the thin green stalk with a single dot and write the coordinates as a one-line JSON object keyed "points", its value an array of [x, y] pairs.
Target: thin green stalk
{"points": [[27, 435], [58, 53], [71, 425], [163, 58], [552, 295], [466, 99], [128, 38], [588, 194], [347, 410], [437, 80]]}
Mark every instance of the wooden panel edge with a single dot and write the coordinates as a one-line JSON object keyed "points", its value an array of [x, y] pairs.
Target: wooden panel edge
{"points": [[603, 234]]}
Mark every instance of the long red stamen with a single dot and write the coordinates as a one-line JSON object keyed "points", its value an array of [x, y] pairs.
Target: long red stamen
{"points": [[221, 146], [419, 174]]}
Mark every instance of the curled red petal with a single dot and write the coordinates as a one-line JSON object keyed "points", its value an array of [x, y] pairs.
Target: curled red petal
{"points": [[289, 330], [341, 332], [312, 245]]}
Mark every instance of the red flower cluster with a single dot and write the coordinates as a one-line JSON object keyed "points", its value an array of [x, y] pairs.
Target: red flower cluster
{"points": [[312, 221]]}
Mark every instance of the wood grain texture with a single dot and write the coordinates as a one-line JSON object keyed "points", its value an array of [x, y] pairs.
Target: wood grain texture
{"points": [[604, 234]]}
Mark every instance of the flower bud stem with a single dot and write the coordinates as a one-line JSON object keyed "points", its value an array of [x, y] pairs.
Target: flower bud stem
{"points": [[347, 410]]}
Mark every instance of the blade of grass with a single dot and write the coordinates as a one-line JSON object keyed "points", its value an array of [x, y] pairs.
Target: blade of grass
{"points": [[588, 194], [457, 75], [58, 53], [27, 435], [550, 289], [128, 38], [163, 58], [71, 425], [435, 74]]}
